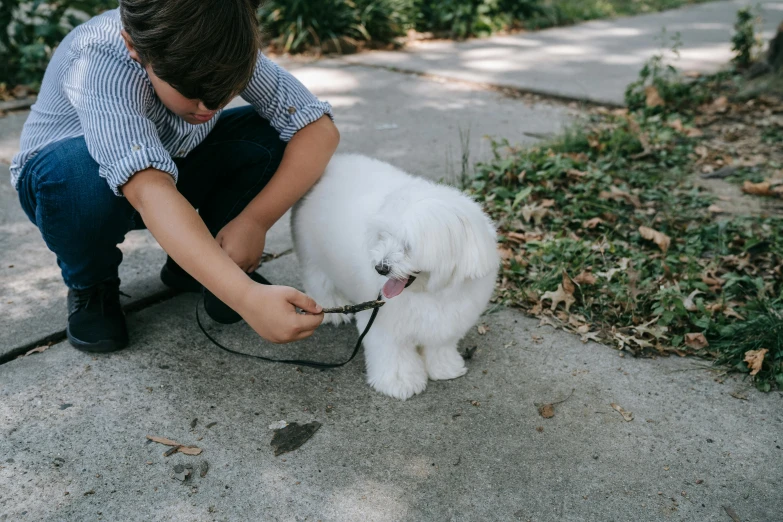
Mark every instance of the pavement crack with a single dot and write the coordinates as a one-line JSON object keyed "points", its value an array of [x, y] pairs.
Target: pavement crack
{"points": [[132, 307]]}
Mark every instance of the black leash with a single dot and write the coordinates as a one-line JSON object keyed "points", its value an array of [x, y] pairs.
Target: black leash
{"points": [[311, 364]]}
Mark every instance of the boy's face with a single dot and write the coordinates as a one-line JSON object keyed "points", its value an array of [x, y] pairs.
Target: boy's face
{"points": [[192, 111]]}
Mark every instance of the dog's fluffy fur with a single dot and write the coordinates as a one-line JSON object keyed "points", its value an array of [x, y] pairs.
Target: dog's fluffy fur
{"points": [[364, 217]]}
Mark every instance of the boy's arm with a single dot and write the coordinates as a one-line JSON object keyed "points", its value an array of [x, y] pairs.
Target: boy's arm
{"points": [[269, 310], [304, 160], [305, 123]]}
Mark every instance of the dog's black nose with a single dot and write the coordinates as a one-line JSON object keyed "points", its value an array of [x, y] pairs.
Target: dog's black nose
{"points": [[383, 269]]}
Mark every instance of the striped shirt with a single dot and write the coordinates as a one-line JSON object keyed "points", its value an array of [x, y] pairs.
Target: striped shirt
{"points": [[93, 88]]}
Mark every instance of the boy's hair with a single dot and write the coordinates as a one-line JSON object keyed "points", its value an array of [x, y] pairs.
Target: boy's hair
{"points": [[205, 49]]}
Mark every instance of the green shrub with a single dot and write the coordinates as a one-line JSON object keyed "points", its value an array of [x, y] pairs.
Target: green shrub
{"points": [[464, 18], [745, 42], [298, 25], [675, 94], [32, 30], [382, 20]]}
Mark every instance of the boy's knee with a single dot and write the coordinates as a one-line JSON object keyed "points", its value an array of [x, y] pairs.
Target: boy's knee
{"points": [[69, 191]]}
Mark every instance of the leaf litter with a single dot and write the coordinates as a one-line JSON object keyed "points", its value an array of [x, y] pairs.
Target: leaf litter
{"points": [[630, 240]]}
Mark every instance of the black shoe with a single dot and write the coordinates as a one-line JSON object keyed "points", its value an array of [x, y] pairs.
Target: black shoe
{"points": [[175, 277], [96, 322], [220, 312]]}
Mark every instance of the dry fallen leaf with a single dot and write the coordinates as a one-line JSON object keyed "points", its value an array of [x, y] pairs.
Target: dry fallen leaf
{"points": [[163, 440], [592, 223], [564, 294], [547, 411], [720, 104], [175, 446], [765, 188], [715, 209], [677, 125], [689, 304], [693, 132], [595, 143], [37, 349], [585, 278], [586, 334], [482, 329], [534, 212], [659, 238], [711, 279], [652, 97], [546, 321], [755, 359], [733, 514], [293, 436], [696, 340], [517, 237], [730, 312], [627, 415], [738, 395], [609, 273], [620, 195]]}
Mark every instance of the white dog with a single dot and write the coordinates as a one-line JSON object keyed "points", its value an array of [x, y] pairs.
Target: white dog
{"points": [[367, 226]]}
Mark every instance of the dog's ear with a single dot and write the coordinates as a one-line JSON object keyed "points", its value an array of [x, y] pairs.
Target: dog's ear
{"points": [[452, 239]]}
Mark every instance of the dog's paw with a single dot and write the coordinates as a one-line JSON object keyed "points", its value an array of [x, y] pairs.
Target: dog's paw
{"points": [[400, 388], [444, 364], [403, 382], [337, 319]]}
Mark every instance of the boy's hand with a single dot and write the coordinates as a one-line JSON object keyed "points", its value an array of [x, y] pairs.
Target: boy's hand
{"points": [[271, 312], [243, 239]]}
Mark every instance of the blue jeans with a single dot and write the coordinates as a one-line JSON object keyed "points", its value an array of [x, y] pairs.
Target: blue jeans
{"points": [[82, 221]]}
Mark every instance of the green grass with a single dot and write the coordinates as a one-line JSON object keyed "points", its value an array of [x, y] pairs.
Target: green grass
{"points": [[576, 205]]}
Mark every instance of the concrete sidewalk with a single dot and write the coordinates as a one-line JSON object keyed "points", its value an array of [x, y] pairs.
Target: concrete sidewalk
{"points": [[73, 427], [592, 61]]}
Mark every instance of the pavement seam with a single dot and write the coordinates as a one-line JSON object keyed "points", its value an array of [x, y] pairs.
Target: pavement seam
{"points": [[508, 91], [60, 335], [134, 306]]}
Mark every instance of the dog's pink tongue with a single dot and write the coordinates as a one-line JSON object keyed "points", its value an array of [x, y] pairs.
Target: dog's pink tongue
{"points": [[394, 287]]}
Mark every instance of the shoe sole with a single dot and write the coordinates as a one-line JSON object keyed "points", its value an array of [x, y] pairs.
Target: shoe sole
{"points": [[105, 346]]}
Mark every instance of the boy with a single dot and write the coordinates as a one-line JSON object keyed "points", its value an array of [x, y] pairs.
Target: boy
{"points": [[128, 131]]}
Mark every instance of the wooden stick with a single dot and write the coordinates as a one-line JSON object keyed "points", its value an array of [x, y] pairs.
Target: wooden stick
{"points": [[352, 309]]}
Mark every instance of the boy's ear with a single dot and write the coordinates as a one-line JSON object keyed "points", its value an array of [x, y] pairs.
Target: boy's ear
{"points": [[129, 45]]}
